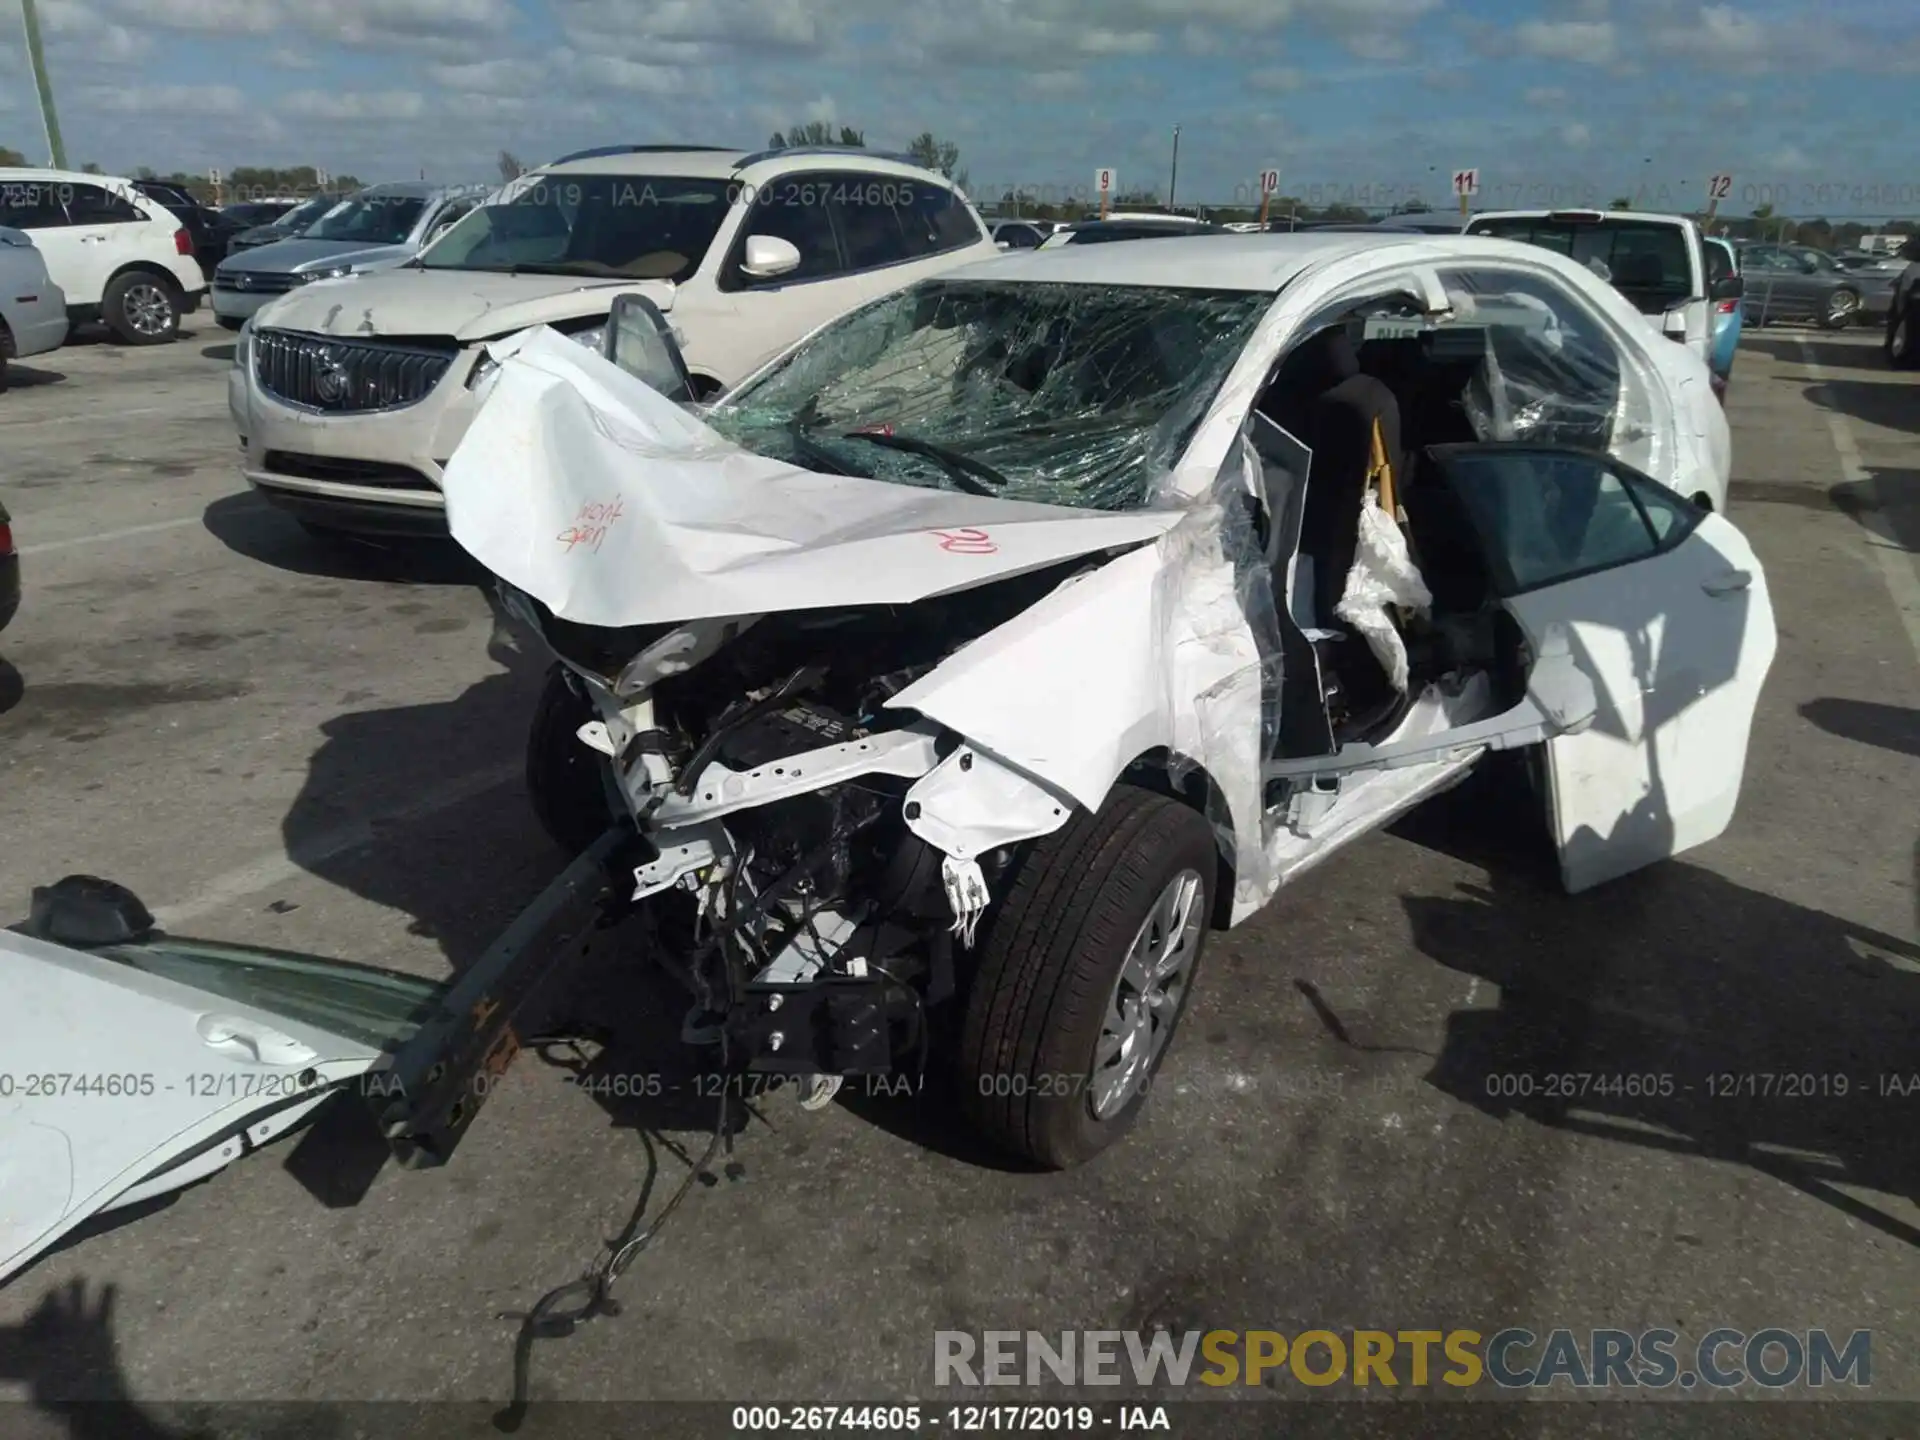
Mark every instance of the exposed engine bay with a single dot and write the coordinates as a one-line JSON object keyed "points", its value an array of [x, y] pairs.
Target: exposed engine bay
{"points": [[813, 927]]}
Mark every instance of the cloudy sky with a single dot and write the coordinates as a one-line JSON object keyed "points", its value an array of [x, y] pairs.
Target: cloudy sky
{"points": [[1551, 100]]}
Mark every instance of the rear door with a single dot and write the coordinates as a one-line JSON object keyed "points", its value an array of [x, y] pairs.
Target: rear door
{"points": [[132, 1070], [108, 230], [1649, 632]]}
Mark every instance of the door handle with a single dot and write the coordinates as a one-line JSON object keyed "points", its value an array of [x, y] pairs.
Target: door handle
{"points": [[1731, 583], [92, 239], [240, 1040]]}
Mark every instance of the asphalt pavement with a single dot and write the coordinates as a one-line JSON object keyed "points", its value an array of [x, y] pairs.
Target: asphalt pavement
{"points": [[317, 748]]}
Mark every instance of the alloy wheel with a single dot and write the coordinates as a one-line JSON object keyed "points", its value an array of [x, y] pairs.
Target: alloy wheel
{"points": [[1147, 995]]}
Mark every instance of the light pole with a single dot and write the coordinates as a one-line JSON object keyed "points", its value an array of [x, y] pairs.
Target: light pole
{"points": [[56, 149], [1173, 180]]}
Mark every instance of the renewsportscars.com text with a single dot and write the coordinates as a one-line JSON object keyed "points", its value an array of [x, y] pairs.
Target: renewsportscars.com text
{"points": [[1512, 1359]]}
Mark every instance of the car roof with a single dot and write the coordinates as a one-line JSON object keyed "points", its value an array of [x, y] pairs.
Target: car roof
{"points": [[1228, 261], [727, 164], [1586, 214], [418, 189], [45, 172]]}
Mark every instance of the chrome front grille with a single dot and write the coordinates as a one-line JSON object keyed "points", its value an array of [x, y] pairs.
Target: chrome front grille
{"points": [[252, 282], [317, 372]]}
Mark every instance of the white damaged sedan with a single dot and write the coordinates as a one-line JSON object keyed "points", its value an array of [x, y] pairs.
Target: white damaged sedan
{"points": [[932, 695], [957, 671]]}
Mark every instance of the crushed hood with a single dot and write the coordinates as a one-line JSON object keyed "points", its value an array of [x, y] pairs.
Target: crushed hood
{"points": [[614, 506], [469, 305]]}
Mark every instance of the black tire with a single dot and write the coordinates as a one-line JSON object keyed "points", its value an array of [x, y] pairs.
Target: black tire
{"points": [[141, 308], [1842, 309], [1903, 337], [564, 776], [1050, 958]]}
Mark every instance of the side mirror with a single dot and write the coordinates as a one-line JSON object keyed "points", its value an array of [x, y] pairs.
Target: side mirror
{"points": [[769, 256], [1729, 287], [639, 340], [1004, 244]]}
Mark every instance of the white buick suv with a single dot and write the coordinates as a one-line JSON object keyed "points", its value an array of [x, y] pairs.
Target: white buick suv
{"points": [[351, 394]]}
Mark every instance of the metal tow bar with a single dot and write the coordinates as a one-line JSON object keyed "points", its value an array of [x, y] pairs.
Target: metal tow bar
{"points": [[427, 1092]]}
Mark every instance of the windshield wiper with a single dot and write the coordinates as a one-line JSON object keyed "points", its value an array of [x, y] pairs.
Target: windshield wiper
{"points": [[816, 455], [962, 469]]}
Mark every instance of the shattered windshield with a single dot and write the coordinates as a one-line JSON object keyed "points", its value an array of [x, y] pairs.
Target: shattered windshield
{"points": [[1061, 394]]}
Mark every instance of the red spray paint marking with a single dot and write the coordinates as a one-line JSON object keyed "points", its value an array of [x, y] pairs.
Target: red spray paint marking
{"points": [[966, 542]]}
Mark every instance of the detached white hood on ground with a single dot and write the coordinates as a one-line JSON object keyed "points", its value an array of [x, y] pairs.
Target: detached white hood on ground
{"points": [[133, 1071], [614, 506]]}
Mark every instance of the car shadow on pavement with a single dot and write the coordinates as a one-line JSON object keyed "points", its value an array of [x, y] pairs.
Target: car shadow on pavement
{"points": [[218, 352], [248, 526], [1889, 404], [1681, 1012], [1886, 503], [13, 686], [24, 377], [1890, 727], [66, 1354]]}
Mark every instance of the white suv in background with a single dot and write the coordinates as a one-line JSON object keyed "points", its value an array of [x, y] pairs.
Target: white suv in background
{"points": [[1659, 262], [120, 257], [350, 394]]}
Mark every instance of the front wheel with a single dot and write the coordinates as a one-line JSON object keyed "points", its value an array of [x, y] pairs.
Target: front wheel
{"points": [[1085, 969], [141, 309], [564, 776], [1842, 306]]}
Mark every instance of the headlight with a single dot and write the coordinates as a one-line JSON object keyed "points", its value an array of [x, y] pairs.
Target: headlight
{"points": [[307, 277], [593, 339]]}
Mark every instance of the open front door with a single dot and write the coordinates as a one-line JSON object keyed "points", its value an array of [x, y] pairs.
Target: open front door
{"points": [[135, 1068], [1664, 609], [1650, 634]]}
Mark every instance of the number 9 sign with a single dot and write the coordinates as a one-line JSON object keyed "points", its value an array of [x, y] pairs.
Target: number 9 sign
{"points": [[1103, 181]]}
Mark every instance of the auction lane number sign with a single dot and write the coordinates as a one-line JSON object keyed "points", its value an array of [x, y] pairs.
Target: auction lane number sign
{"points": [[1269, 181], [1466, 183]]}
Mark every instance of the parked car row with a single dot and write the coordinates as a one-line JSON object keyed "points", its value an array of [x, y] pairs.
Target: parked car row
{"points": [[354, 381]]}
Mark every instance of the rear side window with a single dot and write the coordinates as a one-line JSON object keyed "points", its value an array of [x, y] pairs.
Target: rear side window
{"points": [[32, 204], [1645, 261], [939, 221], [96, 205], [1719, 264]]}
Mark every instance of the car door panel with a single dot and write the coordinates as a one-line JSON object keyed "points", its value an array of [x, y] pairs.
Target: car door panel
{"points": [[1651, 633], [1678, 647], [136, 1069]]}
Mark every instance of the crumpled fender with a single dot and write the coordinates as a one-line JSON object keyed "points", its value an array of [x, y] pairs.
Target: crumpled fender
{"points": [[1150, 652]]}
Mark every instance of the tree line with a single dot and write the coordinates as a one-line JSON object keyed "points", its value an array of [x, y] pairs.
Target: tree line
{"points": [[927, 149]]}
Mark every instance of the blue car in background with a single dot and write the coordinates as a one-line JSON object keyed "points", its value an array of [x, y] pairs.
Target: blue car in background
{"points": [[1723, 263]]}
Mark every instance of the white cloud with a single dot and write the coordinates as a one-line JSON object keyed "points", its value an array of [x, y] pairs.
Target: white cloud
{"points": [[165, 99], [354, 106], [287, 58], [1587, 42], [1274, 80], [1576, 135], [1545, 96]]}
